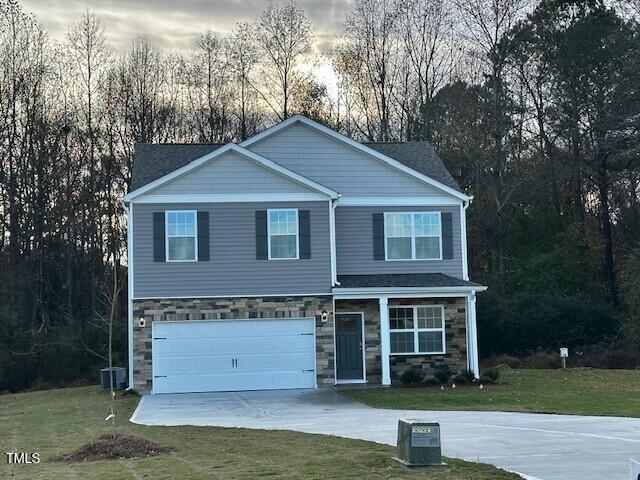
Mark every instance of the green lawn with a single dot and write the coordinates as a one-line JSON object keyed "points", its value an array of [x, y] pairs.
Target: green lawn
{"points": [[58, 421], [579, 391]]}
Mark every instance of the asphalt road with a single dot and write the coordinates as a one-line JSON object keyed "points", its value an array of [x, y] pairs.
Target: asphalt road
{"points": [[546, 447]]}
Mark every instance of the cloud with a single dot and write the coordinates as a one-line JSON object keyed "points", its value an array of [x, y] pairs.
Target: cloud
{"points": [[176, 24]]}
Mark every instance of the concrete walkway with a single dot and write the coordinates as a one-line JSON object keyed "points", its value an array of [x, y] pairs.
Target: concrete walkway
{"points": [[546, 447]]}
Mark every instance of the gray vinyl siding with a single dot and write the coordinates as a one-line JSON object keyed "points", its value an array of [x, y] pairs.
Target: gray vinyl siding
{"points": [[231, 173], [354, 244], [233, 269], [337, 165]]}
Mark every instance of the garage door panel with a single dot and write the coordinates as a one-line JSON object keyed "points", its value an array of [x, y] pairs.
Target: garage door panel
{"points": [[278, 362], [203, 356], [185, 365], [211, 383], [170, 346], [221, 328], [193, 383], [268, 345]]}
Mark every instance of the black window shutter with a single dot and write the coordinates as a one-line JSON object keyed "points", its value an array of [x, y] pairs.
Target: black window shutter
{"points": [[304, 231], [261, 235], [158, 237], [378, 236], [203, 236], [447, 235]]}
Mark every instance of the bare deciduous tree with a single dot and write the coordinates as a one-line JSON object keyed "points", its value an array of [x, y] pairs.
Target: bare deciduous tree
{"points": [[432, 55], [487, 26], [368, 56], [284, 36], [244, 57], [210, 89], [89, 50]]}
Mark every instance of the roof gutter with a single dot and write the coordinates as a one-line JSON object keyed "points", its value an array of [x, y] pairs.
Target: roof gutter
{"points": [[368, 292]]}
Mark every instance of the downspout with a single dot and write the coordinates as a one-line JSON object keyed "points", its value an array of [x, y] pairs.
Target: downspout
{"points": [[463, 234], [129, 211], [332, 240]]}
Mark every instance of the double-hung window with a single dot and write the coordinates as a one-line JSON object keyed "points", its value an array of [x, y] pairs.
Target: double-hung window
{"points": [[182, 235], [417, 329], [282, 226], [413, 236]]}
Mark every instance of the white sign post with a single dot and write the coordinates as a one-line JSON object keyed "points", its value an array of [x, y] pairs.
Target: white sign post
{"points": [[634, 470], [564, 353]]}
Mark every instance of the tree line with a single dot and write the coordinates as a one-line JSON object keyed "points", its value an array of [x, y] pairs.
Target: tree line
{"points": [[534, 107]]}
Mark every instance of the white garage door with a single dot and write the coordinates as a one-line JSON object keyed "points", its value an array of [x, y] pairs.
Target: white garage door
{"points": [[209, 356]]}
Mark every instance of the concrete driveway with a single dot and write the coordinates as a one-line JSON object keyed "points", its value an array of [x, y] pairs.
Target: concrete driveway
{"points": [[548, 447]]}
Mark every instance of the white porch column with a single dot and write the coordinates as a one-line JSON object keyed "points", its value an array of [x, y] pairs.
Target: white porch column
{"points": [[472, 335], [384, 339]]}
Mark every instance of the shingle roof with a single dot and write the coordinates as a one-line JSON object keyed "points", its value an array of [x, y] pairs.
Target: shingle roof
{"points": [[152, 161], [417, 155], [402, 280]]}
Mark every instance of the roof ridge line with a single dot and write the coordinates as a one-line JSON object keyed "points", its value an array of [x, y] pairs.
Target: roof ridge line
{"points": [[183, 143]]}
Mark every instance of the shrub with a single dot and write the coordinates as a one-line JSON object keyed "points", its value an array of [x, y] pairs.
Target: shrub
{"points": [[443, 374], [491, 374], [543, 359], [460, 380], [468, 375], [431, 382], [502, 361], [410, 377]]}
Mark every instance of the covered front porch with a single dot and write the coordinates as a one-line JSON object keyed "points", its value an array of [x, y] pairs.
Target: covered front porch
{"points": [[388, 324]]}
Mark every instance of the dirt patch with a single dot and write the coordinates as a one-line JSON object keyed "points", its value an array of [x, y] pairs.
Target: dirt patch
{"points": [[107, 447], [125, 394]]}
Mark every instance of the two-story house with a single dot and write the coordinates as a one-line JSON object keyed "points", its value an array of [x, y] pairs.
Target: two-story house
{"points": [[295, 259]]}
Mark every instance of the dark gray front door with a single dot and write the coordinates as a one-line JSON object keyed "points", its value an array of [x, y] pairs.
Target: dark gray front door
{"points": [[349, 346]]}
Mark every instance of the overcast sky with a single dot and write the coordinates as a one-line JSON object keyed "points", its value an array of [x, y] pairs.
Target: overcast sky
{"points": [[175, 24]]}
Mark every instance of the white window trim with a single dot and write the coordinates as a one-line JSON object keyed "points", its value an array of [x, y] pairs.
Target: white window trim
{"points": [[297, 257], [415, 330], [166, 235], [413, 238]]}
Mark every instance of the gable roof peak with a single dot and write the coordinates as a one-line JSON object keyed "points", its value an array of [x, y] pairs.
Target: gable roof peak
{"points": [[416, 159], [217, 152]]}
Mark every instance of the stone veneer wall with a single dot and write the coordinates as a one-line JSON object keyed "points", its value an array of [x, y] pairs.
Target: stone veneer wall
{"points": [[455, 338], [227, 309]]}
